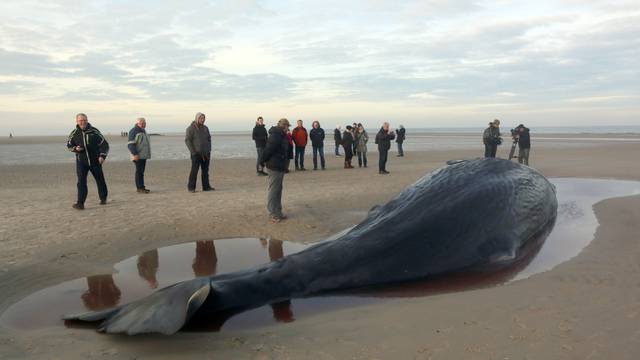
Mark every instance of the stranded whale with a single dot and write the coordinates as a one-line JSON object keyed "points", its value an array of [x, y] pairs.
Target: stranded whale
{"points": [[472, 215]]}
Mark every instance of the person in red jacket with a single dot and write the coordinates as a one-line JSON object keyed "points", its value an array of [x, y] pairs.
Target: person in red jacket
{"points": [[300, 136]]}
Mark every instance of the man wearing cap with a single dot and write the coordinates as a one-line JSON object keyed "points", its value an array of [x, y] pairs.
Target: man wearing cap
{"points": [[276, 155], [198, 140], [491, 138]]}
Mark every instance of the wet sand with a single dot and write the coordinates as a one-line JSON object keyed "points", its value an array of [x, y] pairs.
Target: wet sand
{"points": [[588, 307]]}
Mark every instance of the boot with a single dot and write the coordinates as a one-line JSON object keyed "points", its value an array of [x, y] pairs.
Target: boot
{"points": [[346, 164]]}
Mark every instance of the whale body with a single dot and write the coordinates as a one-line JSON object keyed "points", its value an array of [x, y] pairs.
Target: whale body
{"points": [[471, 215]]}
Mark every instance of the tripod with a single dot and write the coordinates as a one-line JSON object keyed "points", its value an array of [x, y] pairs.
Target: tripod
{"points": [[512, 152]]}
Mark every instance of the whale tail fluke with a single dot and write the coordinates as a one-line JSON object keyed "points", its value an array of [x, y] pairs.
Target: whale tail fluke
{"points": [[165, 311]]}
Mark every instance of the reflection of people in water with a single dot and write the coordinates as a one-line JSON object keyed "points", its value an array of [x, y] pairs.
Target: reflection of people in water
{"points": [[263, 243], [102, 293], [148, 267], [206, 260], [282, 311]]}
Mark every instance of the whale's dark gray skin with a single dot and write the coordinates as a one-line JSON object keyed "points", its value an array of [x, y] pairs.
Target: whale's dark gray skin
{"points": [[472, 215]]}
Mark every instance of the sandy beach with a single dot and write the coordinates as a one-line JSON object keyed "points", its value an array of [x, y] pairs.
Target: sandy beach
{"points": [[586, 308]]}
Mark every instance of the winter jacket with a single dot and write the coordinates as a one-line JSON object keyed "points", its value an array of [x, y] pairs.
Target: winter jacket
{"points": [[491, 136], [198, 139], [139, 143], [400, 135], [276, 153], [93, 145], [383, 139], [524, 142], [347, 139], [260, 135], [317, 137], [299, 135], [361, 141], [291, 145], [337, 137]]}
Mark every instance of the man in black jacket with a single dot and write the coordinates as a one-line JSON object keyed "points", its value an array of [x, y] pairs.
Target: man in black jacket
{"points": [[383, 139], [337, 137], [276, 155], [524, 144], [400, 136], [260, 137], [91, 149], [317, 143]]}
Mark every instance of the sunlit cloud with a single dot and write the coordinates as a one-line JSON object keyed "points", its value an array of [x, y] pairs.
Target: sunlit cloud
{"points": [[455, 61]]}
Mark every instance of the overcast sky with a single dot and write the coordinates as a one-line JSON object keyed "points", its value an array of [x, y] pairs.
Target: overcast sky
{"points": [[426, 63]]}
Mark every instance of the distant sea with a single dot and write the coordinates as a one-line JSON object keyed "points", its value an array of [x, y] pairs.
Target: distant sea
{"points": [[237, 144]]}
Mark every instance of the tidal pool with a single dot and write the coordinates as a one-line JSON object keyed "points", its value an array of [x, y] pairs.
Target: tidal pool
{"points": [[140, 275]]}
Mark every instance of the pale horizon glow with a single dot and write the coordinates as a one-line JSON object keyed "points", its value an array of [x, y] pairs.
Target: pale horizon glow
{"points": [[431, 63]]}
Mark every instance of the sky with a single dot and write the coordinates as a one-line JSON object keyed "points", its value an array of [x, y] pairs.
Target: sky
{"points": [[429, 63]]}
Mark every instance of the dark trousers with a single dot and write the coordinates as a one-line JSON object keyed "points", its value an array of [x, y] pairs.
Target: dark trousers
{"points": [[259, 164], [337, 149], [318, 150], [490, 150], [400, 149], [141, 164], [82, 171], [382, 162], [299, 158], [197, 162], [348, 153], [362, 159]]}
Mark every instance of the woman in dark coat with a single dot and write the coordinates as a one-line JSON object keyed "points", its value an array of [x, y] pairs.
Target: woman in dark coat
{"points": [[347, 145]]}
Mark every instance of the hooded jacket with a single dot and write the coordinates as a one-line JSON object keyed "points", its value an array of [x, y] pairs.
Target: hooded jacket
{"points": [[198, 139], [362, 138], [139, 143], [276, 153], [524, 141], [400, 135], [93, 145], [260, 135], [317, 137], [383, 139]]}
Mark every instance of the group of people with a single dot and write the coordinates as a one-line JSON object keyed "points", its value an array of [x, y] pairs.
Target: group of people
{"points": [[353, 140], [520, 136], [275, 149]]}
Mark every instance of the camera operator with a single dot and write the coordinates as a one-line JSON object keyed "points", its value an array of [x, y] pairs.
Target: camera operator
{"points": [[491, 138], [524, 144]]}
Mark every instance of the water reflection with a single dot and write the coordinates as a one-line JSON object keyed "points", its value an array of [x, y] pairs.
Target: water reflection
{"points": [[282, 311], [148, 267], [102, 292], [206, 260]]}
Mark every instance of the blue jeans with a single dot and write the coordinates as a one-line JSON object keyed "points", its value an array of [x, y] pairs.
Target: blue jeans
{"points": [[337, 149], [299, 158], [140, 167], [316, 150]]}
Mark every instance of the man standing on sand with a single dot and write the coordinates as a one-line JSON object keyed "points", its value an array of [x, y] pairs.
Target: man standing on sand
{"points": [[260, 137], [276, 155], [400, 136], [337, 137], [198, 140], [491, 138], [299, 136], [91, 149], [524, 144], [140, 149], [383, 139], [317, 142]]}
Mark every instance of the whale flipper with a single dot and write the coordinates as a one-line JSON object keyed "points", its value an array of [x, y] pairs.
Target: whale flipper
{"points": [[165, 311]]}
